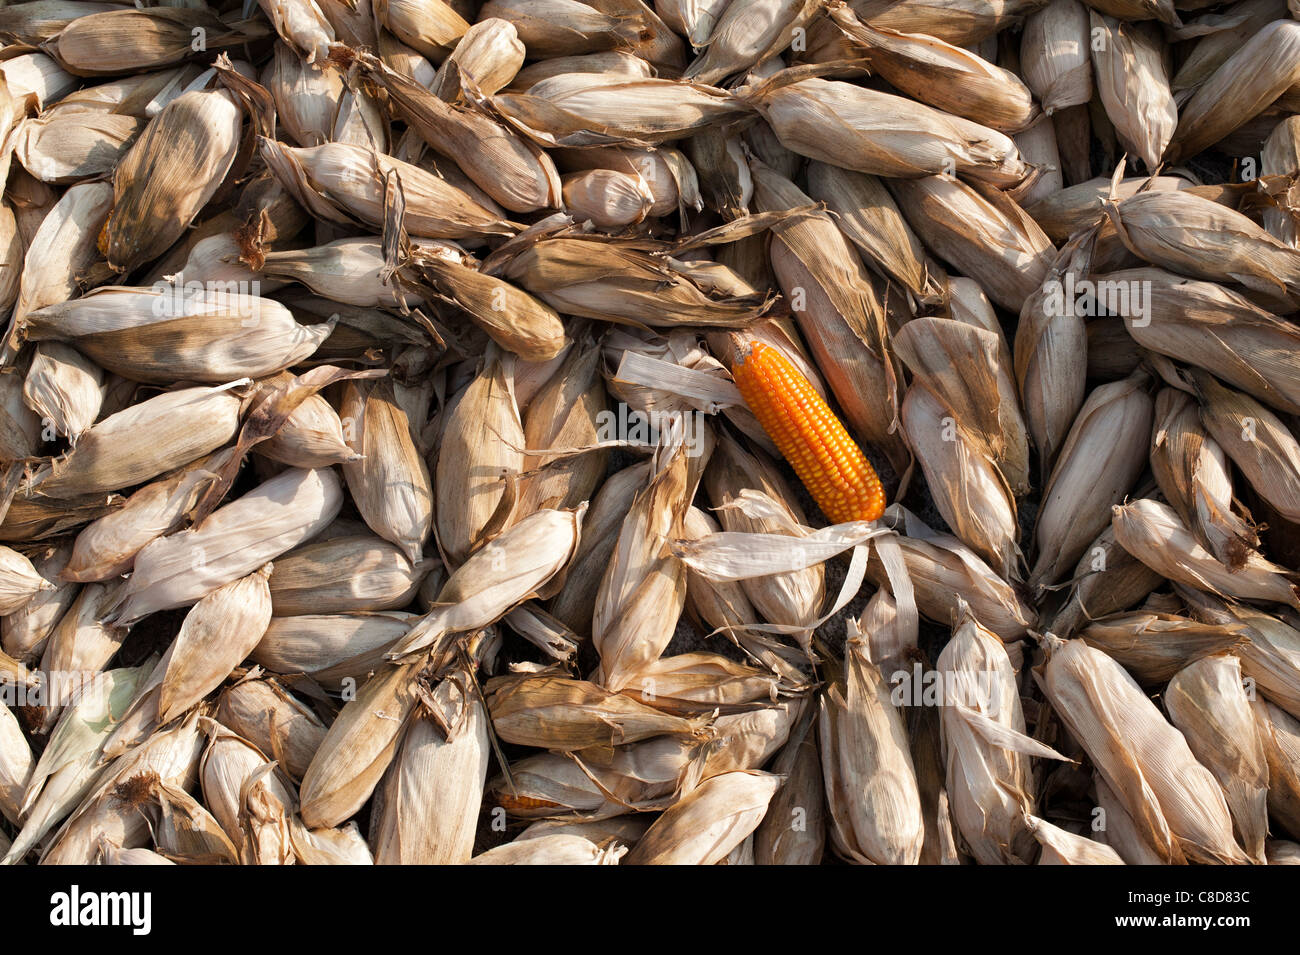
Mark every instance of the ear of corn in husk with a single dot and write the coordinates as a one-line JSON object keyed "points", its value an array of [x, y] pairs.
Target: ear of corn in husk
{"points": [[112, 809], [1247, 82], [1062, 847], [66, 771], [1101, 459], [874, 806], [943, 571], [1130, 77], [1155, 646], [969, 490], [521, 563], [482, 448], [707, 823], [1207, 702], [1054, 50], [1198, 237], [989, 781], [1153, 533], [390, 482], [236, 539], [429, 800], [873, 132], [981, 234], [1257, 441], [1280, 733], [644, 588], [942, 75], [218, 632], [330, 647], [276, 723], [1175, 801]]}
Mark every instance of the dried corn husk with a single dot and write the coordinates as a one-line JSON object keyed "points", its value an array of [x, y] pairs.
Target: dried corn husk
{"points": [[489, 55], [236, 539], [358, 747], [989, 778], [960, 22], [521, 563], [942, 75], [1051, 356], [70, 147], [1155, 646], [512, 318], [981, 234], [968, 489], [66, 771], [331, 648], [575, 603], [565, 413], [1193, 475], [1062, 847], [1243, 86], [613, 281], [563, 715], [272, 720], [1115, 827], [431, 27], [551, 850], [747, 34], [644, 588], [116, 41], [1098, 465], [1129, 72], [943, 572], [24, 631], [1153, 533], [219, 331], [19, 581], [181, 426], [871, 794], [482, 447], [696, 683], [390, 482], [302, 25], [341, 181], [64, 388], [1207, 702], [429, 800], [112, 810], [868, 217], [877, 133], [16, 765], [707, 823], [1198, 237], [1280, 733], [344, 574], [311, 437], [216, 635], [1259, 443], [791, 599], [1054, 54], [169, 174], [1175, 801], [500, 161]]}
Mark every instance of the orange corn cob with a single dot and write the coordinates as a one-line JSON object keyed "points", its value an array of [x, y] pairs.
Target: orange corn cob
{"points": [[831, 466]]}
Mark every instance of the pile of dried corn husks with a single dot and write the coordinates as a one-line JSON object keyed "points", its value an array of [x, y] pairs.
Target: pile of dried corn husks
{"points": [[374, 485]]}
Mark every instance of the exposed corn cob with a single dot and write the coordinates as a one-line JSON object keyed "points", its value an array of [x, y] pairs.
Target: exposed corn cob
{"points": [[827, 460]]}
